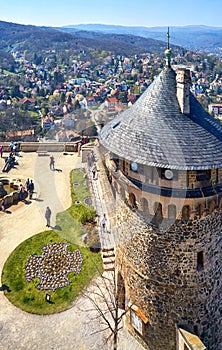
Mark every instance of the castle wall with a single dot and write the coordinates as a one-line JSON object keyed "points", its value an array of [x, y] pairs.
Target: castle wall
{"points": [[163, 279]]}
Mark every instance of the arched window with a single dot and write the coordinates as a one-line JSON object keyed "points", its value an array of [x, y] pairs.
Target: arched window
{"points": [[186, 212], [158, 211], [211, 207], [200, 261], [132, 200], [144, 205], [172, 212], [201, 209]]}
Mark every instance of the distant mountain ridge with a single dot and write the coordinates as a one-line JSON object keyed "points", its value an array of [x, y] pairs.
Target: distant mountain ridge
{"points": [[35, 39], [194, 37]]}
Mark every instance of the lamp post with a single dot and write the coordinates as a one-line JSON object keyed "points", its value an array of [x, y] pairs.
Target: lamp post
{"points": [[13, 120]]}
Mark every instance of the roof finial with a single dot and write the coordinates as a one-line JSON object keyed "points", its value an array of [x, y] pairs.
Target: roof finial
{"points": [[168, 39], [168, 50]]}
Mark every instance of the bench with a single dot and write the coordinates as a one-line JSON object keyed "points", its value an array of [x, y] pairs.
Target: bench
{"points": [[42, 153]]}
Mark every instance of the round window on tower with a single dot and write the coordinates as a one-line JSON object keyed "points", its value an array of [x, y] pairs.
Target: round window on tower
{"points": [[134, 166], [168, 174]]}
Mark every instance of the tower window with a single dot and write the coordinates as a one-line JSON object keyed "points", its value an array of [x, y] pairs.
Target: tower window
{"points": [[195, 329], [211, 207], [168, 174], [185, 212], [132, 200], [200, 261], [203, 175], [201, 209]]}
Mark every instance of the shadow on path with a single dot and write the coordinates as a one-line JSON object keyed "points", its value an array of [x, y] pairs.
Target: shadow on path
{"points": [[38, 199], [7, 212], [59, 170]]}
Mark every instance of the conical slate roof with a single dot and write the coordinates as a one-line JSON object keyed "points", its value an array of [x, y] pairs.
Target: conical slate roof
{"points": [[155, 132]]}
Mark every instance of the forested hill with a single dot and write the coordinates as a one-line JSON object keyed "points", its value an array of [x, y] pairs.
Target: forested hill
{"points": [[35, 39]]}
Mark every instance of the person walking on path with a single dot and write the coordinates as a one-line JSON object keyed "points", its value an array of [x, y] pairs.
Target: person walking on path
{"points": [[11, 146], [31, 189], [3, 204], [94, 170], [27, 184], [48, 216], [103, 223], [1, 150], [14, 149], [21, 192], [52, 163], [93, 159]]}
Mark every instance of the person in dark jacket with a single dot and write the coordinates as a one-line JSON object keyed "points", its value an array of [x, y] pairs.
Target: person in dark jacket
{"points": [[48, 216], [31, 189]]}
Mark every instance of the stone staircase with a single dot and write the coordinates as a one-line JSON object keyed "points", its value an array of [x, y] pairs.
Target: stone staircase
{"points": [[108, 257]]}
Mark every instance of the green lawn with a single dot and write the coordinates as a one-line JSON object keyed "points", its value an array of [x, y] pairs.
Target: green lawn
{"points": [[24, 294], [72, 221]]}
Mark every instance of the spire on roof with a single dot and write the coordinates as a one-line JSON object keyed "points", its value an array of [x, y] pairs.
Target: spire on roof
{"points": [[168, 39], [168, 50]]}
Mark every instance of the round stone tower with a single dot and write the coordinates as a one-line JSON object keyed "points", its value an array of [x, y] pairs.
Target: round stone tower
{"points": [[164, 159]]}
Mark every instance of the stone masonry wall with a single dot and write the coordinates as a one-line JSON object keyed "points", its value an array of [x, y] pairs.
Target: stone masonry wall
{"points": [[159, 267], [220, 175], [213, 176]]}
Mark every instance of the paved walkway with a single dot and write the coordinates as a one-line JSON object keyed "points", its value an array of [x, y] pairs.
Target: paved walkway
{"points": [[73, 328], [102, 201]]}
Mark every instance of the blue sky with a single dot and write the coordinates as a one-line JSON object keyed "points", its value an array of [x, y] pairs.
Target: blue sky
{"points": [[122, 12]]}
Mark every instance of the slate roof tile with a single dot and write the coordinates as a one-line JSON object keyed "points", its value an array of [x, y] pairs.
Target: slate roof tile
{"points": [[154, 131]]}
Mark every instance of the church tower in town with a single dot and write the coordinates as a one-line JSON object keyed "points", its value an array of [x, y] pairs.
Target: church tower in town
{"points": [[164, 158]]}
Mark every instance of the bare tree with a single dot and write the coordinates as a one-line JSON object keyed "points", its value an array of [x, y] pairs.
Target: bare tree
{"points": [[107, 297]]}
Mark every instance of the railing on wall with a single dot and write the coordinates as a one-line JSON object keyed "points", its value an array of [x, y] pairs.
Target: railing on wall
{"points": [[43, 146]]}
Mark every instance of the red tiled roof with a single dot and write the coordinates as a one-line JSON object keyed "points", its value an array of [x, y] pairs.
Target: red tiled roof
{"points": [[27, 99], [20, 133], [112, 99]]}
